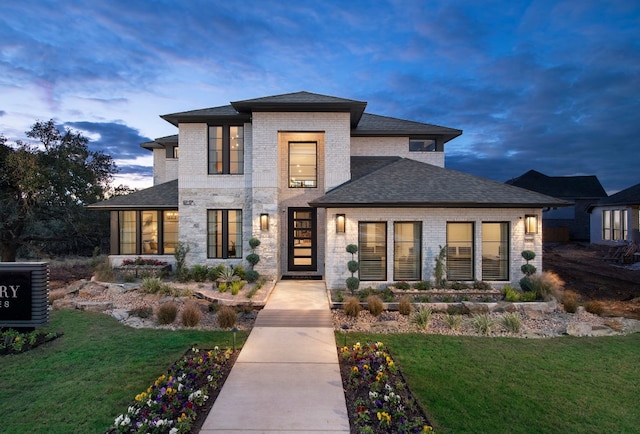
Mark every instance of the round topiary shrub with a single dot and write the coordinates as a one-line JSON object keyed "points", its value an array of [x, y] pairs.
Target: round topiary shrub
{"points": [[254, 242], [167, 313], [353, 266], [352, 283], [528, 269], [528, 255], [352, 248], [251, 276], [253, 259]]}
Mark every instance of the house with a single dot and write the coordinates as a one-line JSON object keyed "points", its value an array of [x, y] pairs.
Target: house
{"points": [[569, 222], [616, 219], [309, 174]]}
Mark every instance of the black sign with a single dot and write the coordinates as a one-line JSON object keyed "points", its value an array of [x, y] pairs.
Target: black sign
{"points": [[15, 295]]}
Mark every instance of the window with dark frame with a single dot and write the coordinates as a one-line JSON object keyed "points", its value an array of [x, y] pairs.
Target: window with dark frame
{"points": [[460, 251], [372, 250], [226, 150], [495, 251], [614, 225], [407, 249], [150, 232], [224, 233], [303, 167], [422, 145]]}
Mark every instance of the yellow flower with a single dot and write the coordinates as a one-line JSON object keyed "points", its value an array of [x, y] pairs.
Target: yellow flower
{"points": [[355, 369], [141, 396], [427, 428], [365, 367]]}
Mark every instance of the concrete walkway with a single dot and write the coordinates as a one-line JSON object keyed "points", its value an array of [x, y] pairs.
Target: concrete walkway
{"points": [[287, 377]]}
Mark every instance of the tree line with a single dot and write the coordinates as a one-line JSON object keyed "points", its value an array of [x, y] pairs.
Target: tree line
{"points": [[44, 187]]}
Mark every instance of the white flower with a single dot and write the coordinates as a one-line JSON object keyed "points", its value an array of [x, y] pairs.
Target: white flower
{"points": [[119, 419], [373, 395], [126, 421], [173, 430]]}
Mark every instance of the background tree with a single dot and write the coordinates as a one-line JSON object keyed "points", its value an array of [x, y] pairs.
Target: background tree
{"points": [[43, 191]]}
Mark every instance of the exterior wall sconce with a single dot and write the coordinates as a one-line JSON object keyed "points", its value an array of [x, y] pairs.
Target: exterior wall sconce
{"points": [[530, 224], [264, 222], [340, 223]]}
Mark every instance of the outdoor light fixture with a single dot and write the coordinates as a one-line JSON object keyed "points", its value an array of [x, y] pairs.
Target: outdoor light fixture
{"points": [[530, 224], [264, 222], [340, 223]]}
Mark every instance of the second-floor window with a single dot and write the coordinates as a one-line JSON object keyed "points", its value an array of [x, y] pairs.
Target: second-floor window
{"points": [[226, 150], [422, 145], [303, 169]]}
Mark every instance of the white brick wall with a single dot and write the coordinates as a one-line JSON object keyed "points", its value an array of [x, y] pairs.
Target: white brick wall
{"points": [[392, 147], [434, 235]]}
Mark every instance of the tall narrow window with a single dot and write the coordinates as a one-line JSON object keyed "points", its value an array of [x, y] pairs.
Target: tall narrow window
{"points": [[128, 222], [372, 250], [460, 251], [224, 234], [170, 231], [303, 164], [495, 251], [407, 242], [606, 224], [226, 150]]}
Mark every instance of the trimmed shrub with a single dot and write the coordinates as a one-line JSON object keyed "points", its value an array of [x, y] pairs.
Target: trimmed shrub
{"points": [[254, 242], [253, 258], [528, 255], [353, 266], [459, 286], [227, 317], [526, 284], [352, 283], [422, 317], [199, 272], [570, 301], [482, 286], [374, 305], [167, 313], [402, 285], [404, 305], [595, 307], [528, 269], [252, 276], [352, 248], [191, 315], [352, 307], [423, 285]]}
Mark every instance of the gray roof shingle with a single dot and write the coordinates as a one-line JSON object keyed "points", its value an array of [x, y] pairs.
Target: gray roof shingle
{"points": [[410, 183], [565, 187], [161, 196], [628, 196]]}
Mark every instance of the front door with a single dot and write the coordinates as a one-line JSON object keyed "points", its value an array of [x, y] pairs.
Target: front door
{"points": [[302, 239]]}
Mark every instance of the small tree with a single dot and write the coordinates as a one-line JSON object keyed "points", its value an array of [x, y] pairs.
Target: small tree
{"points": [[352, 282], [528, 270], [253, 258], [180, 255], [439, 268]]}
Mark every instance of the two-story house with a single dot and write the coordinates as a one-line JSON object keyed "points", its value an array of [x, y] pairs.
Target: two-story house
{"points": [[309, 174]]}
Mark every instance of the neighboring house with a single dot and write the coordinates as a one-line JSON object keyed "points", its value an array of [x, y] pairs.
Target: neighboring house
{"points": [[308, 174], [566, 223], [617, 218]]}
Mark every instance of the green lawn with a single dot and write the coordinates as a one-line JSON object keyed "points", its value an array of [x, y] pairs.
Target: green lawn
{"points": [[509, 385], [81, 381]]}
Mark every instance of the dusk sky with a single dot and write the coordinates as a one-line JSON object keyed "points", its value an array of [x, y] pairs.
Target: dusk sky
{"points": [[547, 85]]}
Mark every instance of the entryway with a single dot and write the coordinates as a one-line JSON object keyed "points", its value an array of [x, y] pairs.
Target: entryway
{"points": [[302, 240]]}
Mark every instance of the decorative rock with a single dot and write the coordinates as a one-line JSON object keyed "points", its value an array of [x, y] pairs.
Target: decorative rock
{"points": [[120, 314], [134, 321], [94, 306], [579, 329], [475, 308], [504, 306], [64, 303]]}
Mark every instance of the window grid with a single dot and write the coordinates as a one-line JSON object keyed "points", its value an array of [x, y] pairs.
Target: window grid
{"points": [[460, 251], [372, 251], [224, 234], [495, 251], [407, 248]]}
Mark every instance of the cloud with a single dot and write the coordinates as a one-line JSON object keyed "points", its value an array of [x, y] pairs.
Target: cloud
{"points": [[113, 138]]}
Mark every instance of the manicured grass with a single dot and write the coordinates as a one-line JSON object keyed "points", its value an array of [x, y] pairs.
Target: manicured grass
{"points": [[81, 381], [507, 385]]}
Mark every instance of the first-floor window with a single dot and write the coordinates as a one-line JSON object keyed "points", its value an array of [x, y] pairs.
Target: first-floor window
{"points": [[460, 251], [372, 251], [128, 229], [495, 251], [407, 242], [224, 233], [614, 225], [170, 231]]}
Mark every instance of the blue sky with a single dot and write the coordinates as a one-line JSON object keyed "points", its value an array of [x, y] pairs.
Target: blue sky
{"points": [[547, 85]]}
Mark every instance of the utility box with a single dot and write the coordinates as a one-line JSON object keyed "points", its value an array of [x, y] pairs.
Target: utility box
{"points": [[24, 294]]}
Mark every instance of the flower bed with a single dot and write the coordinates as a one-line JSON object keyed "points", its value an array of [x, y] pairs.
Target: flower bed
{"points": [[143, 267], [14, 342], [174, 401], [378, 398]]}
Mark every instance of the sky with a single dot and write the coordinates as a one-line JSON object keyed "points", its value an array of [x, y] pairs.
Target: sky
{"points": [[552, 86]]}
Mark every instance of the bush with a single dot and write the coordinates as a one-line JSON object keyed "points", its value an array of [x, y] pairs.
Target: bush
{"points": [[199, 273], [528, 269], [227, 317], [510, 294], [142, 312], [482, 286], [254, 242], [528, 255], [512, 321], [352, 307], [104, 272], [191, 315], [570, 301], [236, 286], [239, 271], [526, 284], [405, 306], [353, 266], [151, 285], [167, 313], [352, 283], [454, 321], [423, 285], [402, 285], [482, 323], [352, 248], [374, 305], [422, 317], [595, 307], [529, 296], [253, 258], [459, 286], [252, 276], [214, 272]]}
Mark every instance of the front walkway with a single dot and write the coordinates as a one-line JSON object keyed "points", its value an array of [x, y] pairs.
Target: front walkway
{"points": [[287, 376]]}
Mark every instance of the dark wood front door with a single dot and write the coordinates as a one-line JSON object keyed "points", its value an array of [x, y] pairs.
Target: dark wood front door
{"points": [[303, 249]]}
